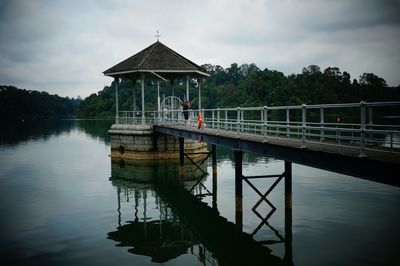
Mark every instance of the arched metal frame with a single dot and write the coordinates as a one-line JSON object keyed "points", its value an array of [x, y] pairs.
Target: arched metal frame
{"points": [[170, 105]]}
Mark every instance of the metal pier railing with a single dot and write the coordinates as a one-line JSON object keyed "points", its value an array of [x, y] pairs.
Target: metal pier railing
{"points": [[363, 126]]}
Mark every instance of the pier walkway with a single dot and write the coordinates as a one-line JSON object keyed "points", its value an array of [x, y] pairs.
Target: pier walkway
{"points": [[357, 139]]}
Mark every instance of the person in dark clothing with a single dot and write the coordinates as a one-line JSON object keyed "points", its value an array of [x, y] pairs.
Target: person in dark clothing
{"points": [[186, 106]]}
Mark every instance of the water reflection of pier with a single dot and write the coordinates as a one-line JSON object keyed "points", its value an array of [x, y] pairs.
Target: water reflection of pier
{"points": [[157, 234], [169, 220]]}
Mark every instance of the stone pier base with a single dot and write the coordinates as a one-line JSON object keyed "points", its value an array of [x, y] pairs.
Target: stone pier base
{"points": [[140, 142]]}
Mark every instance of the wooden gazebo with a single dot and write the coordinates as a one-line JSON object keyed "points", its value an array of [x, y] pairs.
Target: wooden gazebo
{"points": [[157, 62]]}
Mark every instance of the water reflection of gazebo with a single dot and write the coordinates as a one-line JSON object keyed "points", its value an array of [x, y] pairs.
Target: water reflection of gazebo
{"points": [[162, 237]]}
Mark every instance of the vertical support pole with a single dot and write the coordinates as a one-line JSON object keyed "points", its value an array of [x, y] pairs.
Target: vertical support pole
{"points": [[370, 122], [214, 175], [181, 156], [212, 118], [116, 80], [204, 119], [262, 116], [158, 97], [238, 121], [288, 213], [172, 101], [226, 119], [288, 185], [133, 101], [370, 116], [265, 123], [187, 88], [242, 120], [287, 123], [362, 129], [199, 82], [143, 116], [158, 104], [133, 97], [238, 189], [303, 125], [321, 124], [218, 119]]}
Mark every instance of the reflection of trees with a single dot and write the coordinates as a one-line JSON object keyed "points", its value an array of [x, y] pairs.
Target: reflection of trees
{"points": [[16, 131], [96, 128], [225, 153]]}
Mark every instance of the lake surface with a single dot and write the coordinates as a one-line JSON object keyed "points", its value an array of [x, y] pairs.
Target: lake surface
{"points": [[62, 202]]}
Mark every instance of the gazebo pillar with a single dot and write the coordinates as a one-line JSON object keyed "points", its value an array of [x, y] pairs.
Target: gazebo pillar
{"points": [[199, 82], [158, 96], [133, 97], [116, 100], [187, 88], [173, 93], [143, 116]]}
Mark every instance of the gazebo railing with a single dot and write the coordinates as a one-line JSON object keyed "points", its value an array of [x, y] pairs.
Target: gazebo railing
{"points": [[363, 126]]}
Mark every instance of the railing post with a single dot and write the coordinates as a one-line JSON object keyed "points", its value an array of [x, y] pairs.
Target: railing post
{"points": [[265, 123], [213, 117], [321, 124], [362, 129], [218, 119], [238, 121], [204, 119], [370, 122], [303, 125], [226, 119], [242, 120], [287, 123], [391, 141]]}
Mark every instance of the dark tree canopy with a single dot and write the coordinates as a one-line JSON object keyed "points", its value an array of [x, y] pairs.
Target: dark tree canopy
{"points": [[247, 85], [19, 104], [237, 85]]}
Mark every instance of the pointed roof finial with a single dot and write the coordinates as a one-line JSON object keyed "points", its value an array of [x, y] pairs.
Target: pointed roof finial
{"points": [[157, 36]]}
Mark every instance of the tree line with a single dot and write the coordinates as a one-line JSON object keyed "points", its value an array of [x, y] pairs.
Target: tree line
{"points": [[244, 85], [247, 85], [27, 105]]}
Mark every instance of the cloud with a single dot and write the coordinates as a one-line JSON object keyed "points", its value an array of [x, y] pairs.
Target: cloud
{"points": [[63, 47]]}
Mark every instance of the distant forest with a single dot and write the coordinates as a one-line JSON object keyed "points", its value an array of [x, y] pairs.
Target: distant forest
{"points": [[244, 85], [24, 105], [247, 85]]}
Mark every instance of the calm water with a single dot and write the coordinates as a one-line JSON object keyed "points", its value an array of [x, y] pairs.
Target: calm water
{"points": [[62, 202]]}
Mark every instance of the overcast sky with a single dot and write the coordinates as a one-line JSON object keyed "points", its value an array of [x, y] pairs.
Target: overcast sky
{"points": [[64, 46]]}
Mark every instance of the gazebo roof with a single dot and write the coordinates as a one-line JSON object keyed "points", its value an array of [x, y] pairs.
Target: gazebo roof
{"points": [[157, 60]]}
